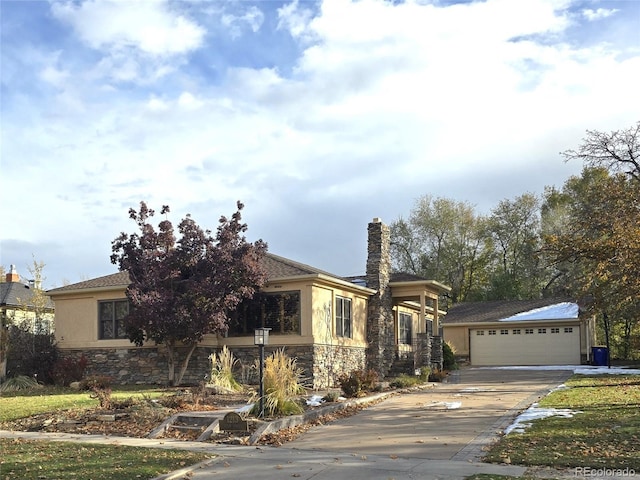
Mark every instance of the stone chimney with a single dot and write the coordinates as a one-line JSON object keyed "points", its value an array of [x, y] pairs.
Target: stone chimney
{"points": [[380, 324], [13, 276]]}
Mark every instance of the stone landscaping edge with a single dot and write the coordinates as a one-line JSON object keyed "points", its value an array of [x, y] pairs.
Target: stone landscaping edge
{"points": [[295, 420]]}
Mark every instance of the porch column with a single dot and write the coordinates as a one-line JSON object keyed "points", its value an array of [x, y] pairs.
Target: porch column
{"points": [[422, 318], [436, 322]]}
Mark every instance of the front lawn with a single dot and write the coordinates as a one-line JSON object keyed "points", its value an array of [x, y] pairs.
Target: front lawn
{"points": [[36, 460], [606, 433], [21, 404]]}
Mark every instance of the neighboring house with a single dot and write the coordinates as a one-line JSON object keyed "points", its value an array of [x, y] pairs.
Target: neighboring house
{"points": [[520, 332], [21, 304], [21, 301], [330, 324]]}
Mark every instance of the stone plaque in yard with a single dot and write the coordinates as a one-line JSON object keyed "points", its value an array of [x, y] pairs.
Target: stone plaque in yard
{"points": [[234, 422]]}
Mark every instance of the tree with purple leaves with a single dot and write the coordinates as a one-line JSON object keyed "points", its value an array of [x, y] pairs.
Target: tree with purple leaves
{"points": [[183, 289]]}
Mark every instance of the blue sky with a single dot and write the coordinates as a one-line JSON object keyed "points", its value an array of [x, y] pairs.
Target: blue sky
{"points": [[317, 115]]}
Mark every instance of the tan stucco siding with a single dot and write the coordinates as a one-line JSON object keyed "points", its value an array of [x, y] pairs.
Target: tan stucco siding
{"points": [[323, 316], [458, 337], [77, 320]]}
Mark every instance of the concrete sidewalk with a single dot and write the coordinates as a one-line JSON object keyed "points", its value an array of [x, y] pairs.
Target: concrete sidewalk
{"points": [[274, 463], [414, 435]]}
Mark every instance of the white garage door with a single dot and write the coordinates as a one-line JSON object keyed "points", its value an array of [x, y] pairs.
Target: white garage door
{"points": [[540, 345]]}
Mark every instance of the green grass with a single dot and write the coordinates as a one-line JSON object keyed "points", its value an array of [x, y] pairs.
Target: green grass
{"points": [[35, 460], [20, 404], [605, 435]]}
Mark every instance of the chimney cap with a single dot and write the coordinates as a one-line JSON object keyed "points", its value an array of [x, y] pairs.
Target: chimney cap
{"points": [[377, 220]]}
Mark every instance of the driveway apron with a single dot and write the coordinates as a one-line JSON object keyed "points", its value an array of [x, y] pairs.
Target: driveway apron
{"points": [[455, 420]]}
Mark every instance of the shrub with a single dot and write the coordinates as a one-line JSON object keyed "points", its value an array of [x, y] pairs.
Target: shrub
{"points": [[437, 375], [424, 374], [222, 370], [331, 397], [100, 386], [357, 382], [21, 382], [96, 381], [405, 381], [281, 386], [32, 354], [449, 358], [69, 369]]}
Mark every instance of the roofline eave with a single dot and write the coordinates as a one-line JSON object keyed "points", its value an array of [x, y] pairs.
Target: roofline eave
{"points": [[440, 287]]}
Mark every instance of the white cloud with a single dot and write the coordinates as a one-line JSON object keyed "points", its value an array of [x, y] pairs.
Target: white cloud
{"points": [[384, 103], [599, 13], [295, 19], [148, 26], [252, 18]]}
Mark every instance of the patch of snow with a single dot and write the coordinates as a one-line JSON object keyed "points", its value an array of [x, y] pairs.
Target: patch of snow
{"points": [[559, 311], [245, 409], [443, 405], [315, 401], [577, 369], [534, 412], [477, 390]]}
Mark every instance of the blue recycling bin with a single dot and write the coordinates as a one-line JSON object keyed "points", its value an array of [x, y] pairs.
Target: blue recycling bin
{"points": [[600, 356]]}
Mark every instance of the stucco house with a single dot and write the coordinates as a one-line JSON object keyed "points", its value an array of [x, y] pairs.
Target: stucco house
{"points": [[550, 331], [330, 324], [19, 301]]}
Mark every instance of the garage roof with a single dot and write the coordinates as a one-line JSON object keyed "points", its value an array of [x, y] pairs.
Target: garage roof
{"points": [[493, 311]]}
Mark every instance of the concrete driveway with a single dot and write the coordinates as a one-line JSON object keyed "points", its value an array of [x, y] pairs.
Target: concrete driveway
{"points": [[449, 421]]}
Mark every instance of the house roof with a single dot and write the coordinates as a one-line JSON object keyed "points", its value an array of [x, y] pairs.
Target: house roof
{"points": [[276, 267], [17, 294], [280, 267], [499, 310]]}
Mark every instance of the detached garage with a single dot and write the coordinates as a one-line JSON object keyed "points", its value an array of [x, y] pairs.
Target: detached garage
{"points": [[530, 332]]}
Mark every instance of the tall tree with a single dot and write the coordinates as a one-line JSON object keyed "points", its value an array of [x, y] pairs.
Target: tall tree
{"points": [[443, 240], [514, 226], [602, 237], [182, 290], [617, 151]]}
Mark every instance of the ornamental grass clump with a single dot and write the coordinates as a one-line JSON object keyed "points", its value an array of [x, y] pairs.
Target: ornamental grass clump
{"points": [[281, 386], [20, 382], [222, 364]]}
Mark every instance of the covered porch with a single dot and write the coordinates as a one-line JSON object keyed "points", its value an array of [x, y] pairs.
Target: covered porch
{"points": [[422, 296]]}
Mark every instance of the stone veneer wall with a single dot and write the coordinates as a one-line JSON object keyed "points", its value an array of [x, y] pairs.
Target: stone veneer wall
{"points": [[437, 353], [140, 365], [148, 365], [424, 350], [380, 323], [331, 361]]}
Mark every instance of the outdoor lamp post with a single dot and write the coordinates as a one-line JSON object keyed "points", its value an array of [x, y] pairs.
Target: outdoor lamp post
{"points": [[261, 338]]}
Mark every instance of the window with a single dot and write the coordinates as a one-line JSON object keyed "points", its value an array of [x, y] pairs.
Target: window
{"points": [[528, 331], [492, 332], [111, 315], [404, 328], [568, 329], [504, 332], [343, 317], [278, 311], [516, 331], [479, 332], [542, 330], [555, 330]]}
